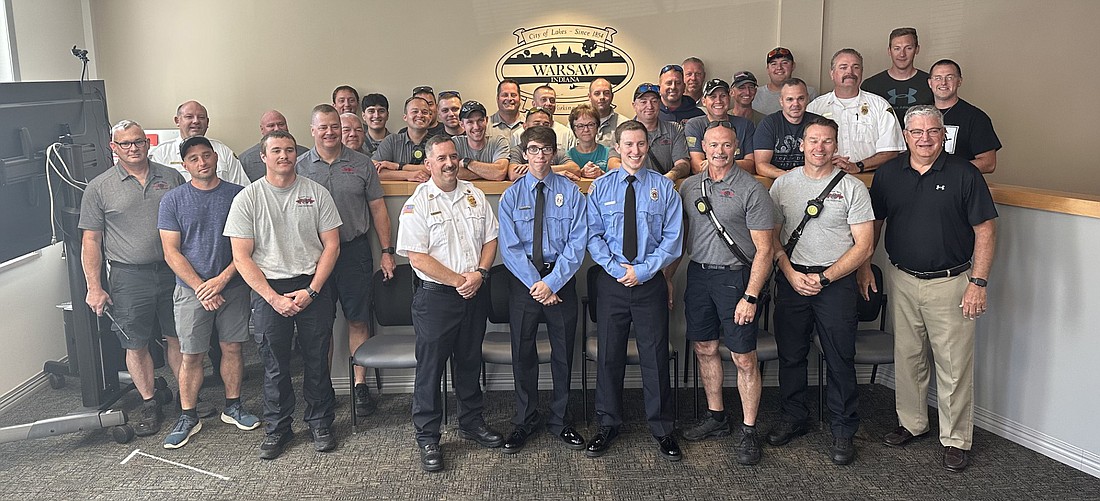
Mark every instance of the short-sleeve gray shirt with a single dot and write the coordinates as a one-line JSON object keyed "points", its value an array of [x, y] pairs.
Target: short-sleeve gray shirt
{"points": [[496, 148], [667, 144], [254, 166], [352, 182], [398, 148], [741, 204], [828, 236], [116, 204]]}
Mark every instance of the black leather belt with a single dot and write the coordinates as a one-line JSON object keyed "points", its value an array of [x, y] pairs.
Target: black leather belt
{"points": [[148, 266], [929, 275], [723, 267], [809, 269], [433, 286]]}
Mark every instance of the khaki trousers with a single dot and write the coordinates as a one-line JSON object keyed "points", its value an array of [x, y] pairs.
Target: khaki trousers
{"points": [[927, 317]]}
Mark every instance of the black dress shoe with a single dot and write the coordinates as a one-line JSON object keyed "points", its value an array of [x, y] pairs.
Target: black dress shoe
{"points": [[483, 435], [901, 436], [515, 441], [431, 457], [955, 459], [571, 438], [323, 439], [784, 431], [843, 451], [669, 449], [601, 442]]}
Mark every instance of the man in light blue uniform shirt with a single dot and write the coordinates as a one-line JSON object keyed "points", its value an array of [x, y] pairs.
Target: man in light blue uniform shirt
{"points": [[543, 232], [634, 231]]}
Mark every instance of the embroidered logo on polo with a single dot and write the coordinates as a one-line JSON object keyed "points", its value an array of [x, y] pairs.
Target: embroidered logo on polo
{"points": [[305, 201], [348, 170], [836, 195], [161, 186], [566, 57], [727, 193]]}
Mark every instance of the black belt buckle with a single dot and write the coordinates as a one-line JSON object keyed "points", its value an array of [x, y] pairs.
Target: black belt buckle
{"points": [[930, 275], [720, 267], [809, 269]]}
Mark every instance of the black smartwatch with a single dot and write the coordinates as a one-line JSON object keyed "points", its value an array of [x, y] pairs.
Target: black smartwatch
{"points": [[980, 282], [860, 165], [823, 279], [466, 163], [749, 298], [389, 250], [312, 293], [484, 274]]}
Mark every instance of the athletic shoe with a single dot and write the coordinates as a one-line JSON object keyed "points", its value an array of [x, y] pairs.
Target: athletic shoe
{"points": [[186, 427], [237, 416]]}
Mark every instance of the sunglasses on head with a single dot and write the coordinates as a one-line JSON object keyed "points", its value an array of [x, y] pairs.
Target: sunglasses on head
{"points": [[779, 52], [672, 67], [423, 89]]}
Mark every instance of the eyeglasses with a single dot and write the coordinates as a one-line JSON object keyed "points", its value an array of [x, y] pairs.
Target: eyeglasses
{"points": [[672, 67], [546, 150], [140, 143], [447, 94], [583, 126], [919, 133], [423, 89], [779, 52], [719, 123], [944, 78]]}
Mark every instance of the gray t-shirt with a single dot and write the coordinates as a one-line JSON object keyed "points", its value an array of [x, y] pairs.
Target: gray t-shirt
{"points": [[741, 204], [696, 128], [116, 204], [667, 144], [352, 182], [285, 225], [199, 217], [496, 148], [767, 102], [254, 167], [828, 236]]}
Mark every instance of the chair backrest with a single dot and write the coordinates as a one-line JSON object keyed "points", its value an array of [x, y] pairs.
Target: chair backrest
{"points": [[499, 288], [869, 310], [592, 277], [391, 300]]}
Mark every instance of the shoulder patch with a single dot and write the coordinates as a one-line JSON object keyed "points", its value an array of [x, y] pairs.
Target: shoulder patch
{"points": [[408, 208], [691, 140]]}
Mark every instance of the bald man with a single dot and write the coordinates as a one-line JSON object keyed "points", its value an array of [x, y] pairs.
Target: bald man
{"points": [[192, 120], [254, 167]]}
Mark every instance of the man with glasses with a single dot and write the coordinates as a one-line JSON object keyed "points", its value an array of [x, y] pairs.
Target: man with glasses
{"points": [[675, 106], [376, 114], [254, 168], [480, 156], [351, 179], [969, 131], [400, 156], [869, 131], [118, 216], [779, 136], [517, 162], [940, 236], [192, 120], [902, 85], [780, 62], [345, 99], [716, 103], [634, 222], [449, 103], [724, 283], [543, 233], [601, 97], [666, 149], [743, 89], [695, 76], [508, 116]]}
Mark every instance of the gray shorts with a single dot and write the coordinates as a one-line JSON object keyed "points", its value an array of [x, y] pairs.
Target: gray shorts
{"points": [[142, 303], [195, 325]]}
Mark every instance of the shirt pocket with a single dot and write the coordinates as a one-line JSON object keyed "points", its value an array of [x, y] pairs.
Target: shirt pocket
{"points": [[524, 222], [612, 216]]}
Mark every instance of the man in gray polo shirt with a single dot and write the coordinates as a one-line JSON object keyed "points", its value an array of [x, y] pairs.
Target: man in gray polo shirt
{"points": [[119, 217], [351, 179], [722, 289], [400, 156], [508, 117], [480, 156], [254, 167], [668, 152]]}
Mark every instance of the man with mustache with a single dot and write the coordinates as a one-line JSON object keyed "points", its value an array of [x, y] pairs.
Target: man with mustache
{"points": [[192, 120], [869, 131]]}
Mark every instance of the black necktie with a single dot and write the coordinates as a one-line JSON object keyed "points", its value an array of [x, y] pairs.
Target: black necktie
{"points": [[536, 244], [630, 222]]}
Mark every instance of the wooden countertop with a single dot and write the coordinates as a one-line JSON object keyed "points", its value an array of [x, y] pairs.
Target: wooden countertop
{"points": [[1018, 196]]}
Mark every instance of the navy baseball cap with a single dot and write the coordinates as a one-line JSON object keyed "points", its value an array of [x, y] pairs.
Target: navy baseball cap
{"points": [[647, 88]]}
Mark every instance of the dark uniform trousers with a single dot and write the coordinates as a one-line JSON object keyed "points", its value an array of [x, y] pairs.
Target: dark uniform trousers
{"points": [[645, 305], [524, 314], [447, 326], [275, 334], [833, 313]]}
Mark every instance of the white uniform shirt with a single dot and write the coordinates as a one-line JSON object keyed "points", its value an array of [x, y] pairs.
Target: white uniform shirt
{"points": [[450, 227], [867, 124], [229, 168]]}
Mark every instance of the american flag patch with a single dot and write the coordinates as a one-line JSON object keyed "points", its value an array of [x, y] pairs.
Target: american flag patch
{"points": [[408, 209]]}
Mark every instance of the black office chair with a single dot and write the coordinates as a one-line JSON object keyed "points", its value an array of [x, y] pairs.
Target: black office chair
{"points": [[391, 306], [766, 347], [873, 346], [497, 347], [590, 347]]}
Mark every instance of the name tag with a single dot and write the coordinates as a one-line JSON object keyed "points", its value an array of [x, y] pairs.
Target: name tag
{"points": [[609, 203]]}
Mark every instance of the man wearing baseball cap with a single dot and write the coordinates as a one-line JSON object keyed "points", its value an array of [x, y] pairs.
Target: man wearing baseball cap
{"points": [[716, 104], [742, 92], [667, 151], [780, 62], [480, 156]]}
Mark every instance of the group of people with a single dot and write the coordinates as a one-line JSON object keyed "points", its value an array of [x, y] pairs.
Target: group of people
{"points": [[200, 242]]}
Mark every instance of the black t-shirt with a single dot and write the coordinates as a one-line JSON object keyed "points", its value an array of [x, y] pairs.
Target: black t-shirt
{"points": [[969, 131], [901, 94], [930, 219], [783, 138]]}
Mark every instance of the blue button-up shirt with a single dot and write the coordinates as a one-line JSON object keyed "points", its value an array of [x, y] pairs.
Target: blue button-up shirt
{"points": [[565, 229], [660, 221]]}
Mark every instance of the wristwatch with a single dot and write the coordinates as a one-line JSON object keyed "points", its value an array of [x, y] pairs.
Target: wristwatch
{"points": [[980, 282], [312, 293], [389, 250], [823, 279], [749, 298], [466, 163], [860, 165], [484, 274]]}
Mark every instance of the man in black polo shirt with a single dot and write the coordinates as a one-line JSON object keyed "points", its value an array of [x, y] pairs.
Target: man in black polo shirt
{"points": [[940, 239]]}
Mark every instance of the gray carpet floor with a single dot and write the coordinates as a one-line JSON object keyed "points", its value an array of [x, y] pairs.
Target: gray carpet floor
{"points": [[379, 461]]}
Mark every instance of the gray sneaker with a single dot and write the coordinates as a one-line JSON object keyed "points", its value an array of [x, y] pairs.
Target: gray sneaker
{"points": [[236, 416], [186, 427], [707, 428], [748, 446]]}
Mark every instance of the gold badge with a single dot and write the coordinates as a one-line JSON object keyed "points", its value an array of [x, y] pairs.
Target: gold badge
{"points": [[863, 109], [559, 199], [471, 200], [653, 194]]}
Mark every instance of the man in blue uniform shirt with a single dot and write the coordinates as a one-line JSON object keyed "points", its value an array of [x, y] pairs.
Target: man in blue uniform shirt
{"points": [[543, 232], [634, 222]]}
